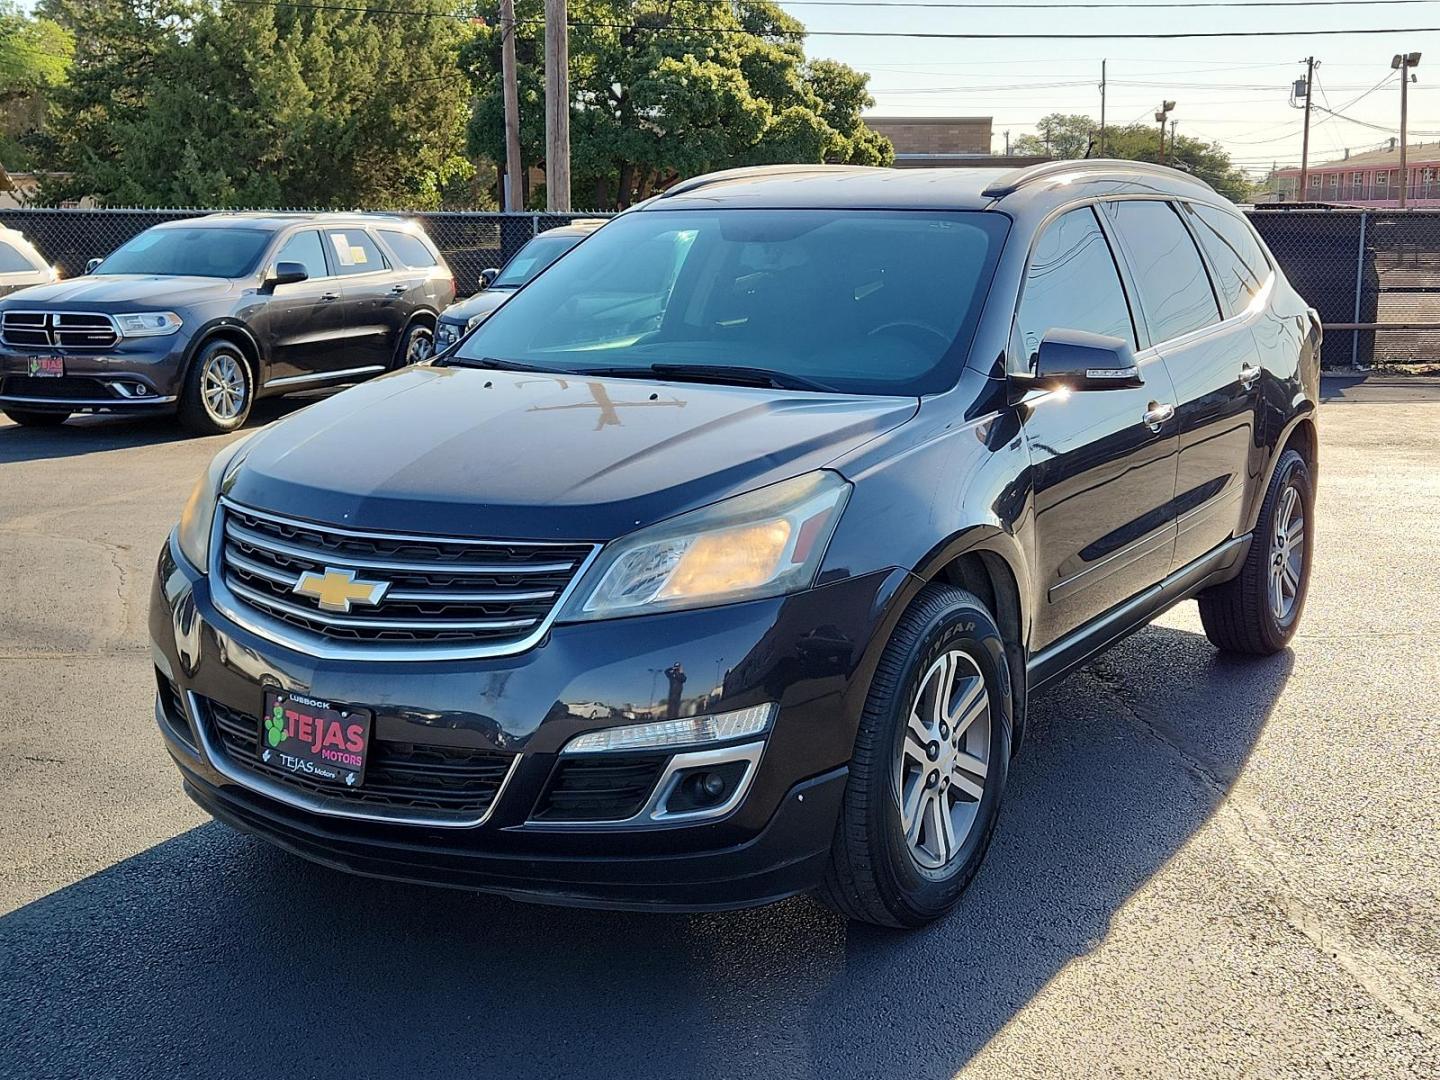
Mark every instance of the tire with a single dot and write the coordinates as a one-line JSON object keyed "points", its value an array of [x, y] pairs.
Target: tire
{"points": [[877, 872], [219, 390], [27, 418], [1242, 615], [417, 344]]}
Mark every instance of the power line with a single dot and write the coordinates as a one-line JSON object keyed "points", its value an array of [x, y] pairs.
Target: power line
{"points": [[906, 34]]}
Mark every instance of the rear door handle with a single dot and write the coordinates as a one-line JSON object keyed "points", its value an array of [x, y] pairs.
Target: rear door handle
{"points": [[325, 298], [400, 290], [1156, 415], [1248, 375]]}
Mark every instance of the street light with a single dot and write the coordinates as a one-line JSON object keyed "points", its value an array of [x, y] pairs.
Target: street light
{"points": [[1402, 63]]}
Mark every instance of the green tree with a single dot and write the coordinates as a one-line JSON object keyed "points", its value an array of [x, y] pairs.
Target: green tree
{"points": [[1073, 136], [659, 92], [189, 102], [35, 54]]}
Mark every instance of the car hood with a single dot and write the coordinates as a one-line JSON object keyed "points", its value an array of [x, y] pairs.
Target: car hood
{"points": [[482, 303], [146, 290], [512, 455]]}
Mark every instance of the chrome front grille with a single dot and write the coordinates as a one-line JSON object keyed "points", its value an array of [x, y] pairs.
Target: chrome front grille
{"points": [[460, 596], [58, 330]]}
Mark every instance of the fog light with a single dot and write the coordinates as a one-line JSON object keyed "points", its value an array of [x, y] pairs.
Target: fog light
{"points": [[689, 731]]}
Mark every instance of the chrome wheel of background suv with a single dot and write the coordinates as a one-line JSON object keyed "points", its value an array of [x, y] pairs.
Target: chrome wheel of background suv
{"points": [[944, 759]]}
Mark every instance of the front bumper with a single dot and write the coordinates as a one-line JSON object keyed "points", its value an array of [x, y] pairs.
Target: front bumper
{"points": [[135, 375], [812, 653]]}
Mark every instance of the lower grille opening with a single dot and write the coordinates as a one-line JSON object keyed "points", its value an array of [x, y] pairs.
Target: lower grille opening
{"points": [[601, 788], [77, 387], [172, 706], [454, 782]]}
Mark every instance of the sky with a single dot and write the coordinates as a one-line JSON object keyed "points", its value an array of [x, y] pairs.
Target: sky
{"points": [[1230, 90]]}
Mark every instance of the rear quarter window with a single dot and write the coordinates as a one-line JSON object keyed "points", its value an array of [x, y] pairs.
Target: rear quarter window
{"points": [[408, 248], [14, 261]]}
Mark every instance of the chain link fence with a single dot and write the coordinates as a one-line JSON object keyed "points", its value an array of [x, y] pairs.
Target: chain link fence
{"points": [[470, 241], [1374, 275]]}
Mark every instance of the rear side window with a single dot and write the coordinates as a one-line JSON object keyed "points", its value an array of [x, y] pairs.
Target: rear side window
{"points": [[410, 249], [307, 249], [1072, 284], [12, 261], [353, 252], [1236, 256], [1170, 278]]}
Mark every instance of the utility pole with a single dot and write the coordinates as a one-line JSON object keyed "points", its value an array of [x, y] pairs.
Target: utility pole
{"points": [[1304, 192], [1173, 123], [1007, 144], [514, 188], [1161, 115], [1402, 63], [557, 107], [1102, 108]]}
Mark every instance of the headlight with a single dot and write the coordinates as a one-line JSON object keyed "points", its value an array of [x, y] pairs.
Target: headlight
{"points": [[475, 320], [198, 517], [148, 323], [763, 543]]}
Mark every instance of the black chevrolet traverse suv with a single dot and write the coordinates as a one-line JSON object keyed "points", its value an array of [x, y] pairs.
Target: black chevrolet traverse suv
{"points": [[721, 562], [203, 316]]}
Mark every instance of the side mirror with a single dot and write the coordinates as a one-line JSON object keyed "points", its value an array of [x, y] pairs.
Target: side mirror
{"points": [[1084, 361], [286, 273], [91, 264], [488, 276]]}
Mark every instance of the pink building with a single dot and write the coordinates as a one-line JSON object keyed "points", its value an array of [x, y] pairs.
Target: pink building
{"points": [[1371, 178]]}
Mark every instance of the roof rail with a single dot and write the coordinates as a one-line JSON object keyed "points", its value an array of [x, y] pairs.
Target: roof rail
{"points": [[1030, 174], [697, 182]]}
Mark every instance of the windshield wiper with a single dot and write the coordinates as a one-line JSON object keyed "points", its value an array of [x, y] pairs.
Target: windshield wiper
{"points": [[731, 374], [500, 365]]}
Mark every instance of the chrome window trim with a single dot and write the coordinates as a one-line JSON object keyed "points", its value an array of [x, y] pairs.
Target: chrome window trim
{"points": [[313, 645], [221, 762], [652, 813]]}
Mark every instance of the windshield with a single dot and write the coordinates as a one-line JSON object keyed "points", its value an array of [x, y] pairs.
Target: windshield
{"points": [[532, 258], [863, 301], [221, 253]]}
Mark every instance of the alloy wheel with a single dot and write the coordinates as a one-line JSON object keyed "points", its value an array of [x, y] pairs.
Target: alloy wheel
{"points": [[421, 346], [223, 386], [1287, 555], [944, 759]]}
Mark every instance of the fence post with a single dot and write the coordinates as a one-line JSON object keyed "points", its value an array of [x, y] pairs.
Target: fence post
{"points": [[1359, 284], [534, 224]]}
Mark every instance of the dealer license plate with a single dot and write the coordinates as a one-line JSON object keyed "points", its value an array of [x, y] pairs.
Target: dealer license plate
{"points": [[315, 740]]}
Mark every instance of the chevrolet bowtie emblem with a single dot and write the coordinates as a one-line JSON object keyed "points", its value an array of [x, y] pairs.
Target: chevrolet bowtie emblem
{"points": [[336, 590]]}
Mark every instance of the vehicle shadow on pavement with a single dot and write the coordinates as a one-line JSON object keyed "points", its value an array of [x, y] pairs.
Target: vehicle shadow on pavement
{"points": [[97, 434], [214, 955]]}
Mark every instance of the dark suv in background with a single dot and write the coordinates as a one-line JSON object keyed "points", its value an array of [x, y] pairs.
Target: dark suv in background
{"points": [[205, 315], [721, 562]]}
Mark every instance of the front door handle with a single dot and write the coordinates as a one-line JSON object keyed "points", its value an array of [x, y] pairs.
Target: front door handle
{"points": [[1157, 414], [400, 290], [325, 298], [1248, 375]]}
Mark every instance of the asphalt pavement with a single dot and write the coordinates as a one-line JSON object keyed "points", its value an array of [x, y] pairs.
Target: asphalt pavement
{"points": [[1206, 867]]}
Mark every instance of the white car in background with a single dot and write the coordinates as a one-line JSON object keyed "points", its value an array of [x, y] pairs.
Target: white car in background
{"points": [[20, 264]]}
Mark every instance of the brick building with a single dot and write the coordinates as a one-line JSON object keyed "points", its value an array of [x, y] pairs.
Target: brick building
{"points": [[1371, 178]]}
